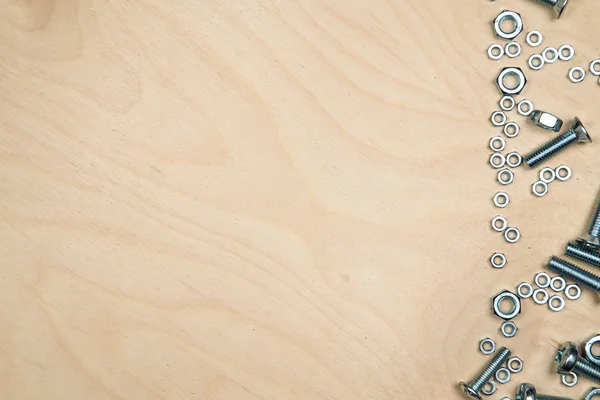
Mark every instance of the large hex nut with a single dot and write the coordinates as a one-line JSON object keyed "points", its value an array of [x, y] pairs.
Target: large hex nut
{"points": [[545, 120], [509, 296], [507, 15], [518, 74]]}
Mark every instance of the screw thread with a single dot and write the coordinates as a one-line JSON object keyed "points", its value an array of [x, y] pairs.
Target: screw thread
{"points": [[594, 229], [585, 368], [551, 148], [547, 3], [490, 369], [544, 397], [583, 253], [572, 272]]}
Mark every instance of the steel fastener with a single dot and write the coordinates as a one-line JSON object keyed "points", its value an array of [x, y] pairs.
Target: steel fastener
{"points": [[472, 389], [574, 273], [592, 237], [545, 120], [568, 360], [583, 253], [557, 5], [577, 134], [527, 392]]}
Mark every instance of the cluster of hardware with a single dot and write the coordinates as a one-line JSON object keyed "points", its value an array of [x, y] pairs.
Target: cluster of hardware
{"points": [[549, 175], [568, 279], [536, 62]]}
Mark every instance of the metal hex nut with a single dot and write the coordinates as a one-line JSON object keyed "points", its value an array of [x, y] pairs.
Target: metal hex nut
{"points": [[506, 295], [518, 74], [510, 16], [592, 393], [545, 120]]}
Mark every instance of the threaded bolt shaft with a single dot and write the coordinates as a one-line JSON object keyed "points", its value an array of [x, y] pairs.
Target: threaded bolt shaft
{"points": [[550, 148], [585, 368], [594, 229], [488, 371], [574, 273], [576, 134], [544, 397], [583, 253]]}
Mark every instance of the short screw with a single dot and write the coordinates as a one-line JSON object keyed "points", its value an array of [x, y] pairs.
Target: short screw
{"points": [[527, 392], [472, 389], [577, 134], [574, 273], [583, 253], [592, 237], [557, 5], [568, 360]]}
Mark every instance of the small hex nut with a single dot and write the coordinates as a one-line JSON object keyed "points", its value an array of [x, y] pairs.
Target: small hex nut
{"points": [[519, 76], [592, 393], [487, 346], [545, 120], [506, 295]]}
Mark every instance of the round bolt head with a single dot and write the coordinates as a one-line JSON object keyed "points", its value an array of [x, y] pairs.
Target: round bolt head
{"points": [[566, 358], [469, 392], [526, 392]]}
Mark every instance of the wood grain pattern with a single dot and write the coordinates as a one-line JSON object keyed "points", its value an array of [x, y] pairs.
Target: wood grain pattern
{"points": [[272, 199]]}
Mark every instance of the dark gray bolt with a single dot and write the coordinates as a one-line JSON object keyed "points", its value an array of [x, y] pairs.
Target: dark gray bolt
{"points": [[527, 392], [574, 273], [568, 360], [557, 5], [472, 389], [577, 134], [583, 253], [592, 237]]}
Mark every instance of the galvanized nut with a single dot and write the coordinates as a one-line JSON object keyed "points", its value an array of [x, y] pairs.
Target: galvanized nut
{"points": [[518, 74], [511, 16], [545, 120]]}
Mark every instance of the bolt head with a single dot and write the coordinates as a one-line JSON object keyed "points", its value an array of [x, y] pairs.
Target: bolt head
{"points": [[526, 392], [560, 7], [469, 392], [579, 129], [566, 358], [593, 242]]}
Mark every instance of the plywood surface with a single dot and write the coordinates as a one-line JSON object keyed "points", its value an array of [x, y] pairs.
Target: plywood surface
{"points": [[273, 199]]}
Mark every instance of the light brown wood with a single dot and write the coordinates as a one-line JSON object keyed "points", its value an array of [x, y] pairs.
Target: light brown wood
{"points": [[274, 199]]}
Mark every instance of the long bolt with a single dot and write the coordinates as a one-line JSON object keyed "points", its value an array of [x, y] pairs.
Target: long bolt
{"points": [[472, 389], [557, 5], [568, 360], [577, 134], [583, 253], [574, 273], [592, 237], [527, 392]]}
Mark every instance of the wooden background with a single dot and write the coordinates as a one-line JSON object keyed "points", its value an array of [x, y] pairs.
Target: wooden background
{"points": [[274, 199]]}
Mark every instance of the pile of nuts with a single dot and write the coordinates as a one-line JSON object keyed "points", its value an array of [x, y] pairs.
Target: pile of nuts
{"points": [[571, 363]]}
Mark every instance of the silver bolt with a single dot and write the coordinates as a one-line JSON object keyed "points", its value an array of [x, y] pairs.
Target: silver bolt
{"points": [[577, 134], [557, 5], [568, 360], [574, 273], [472, 389], [527, 392], [592, 237], [583, 253]]}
